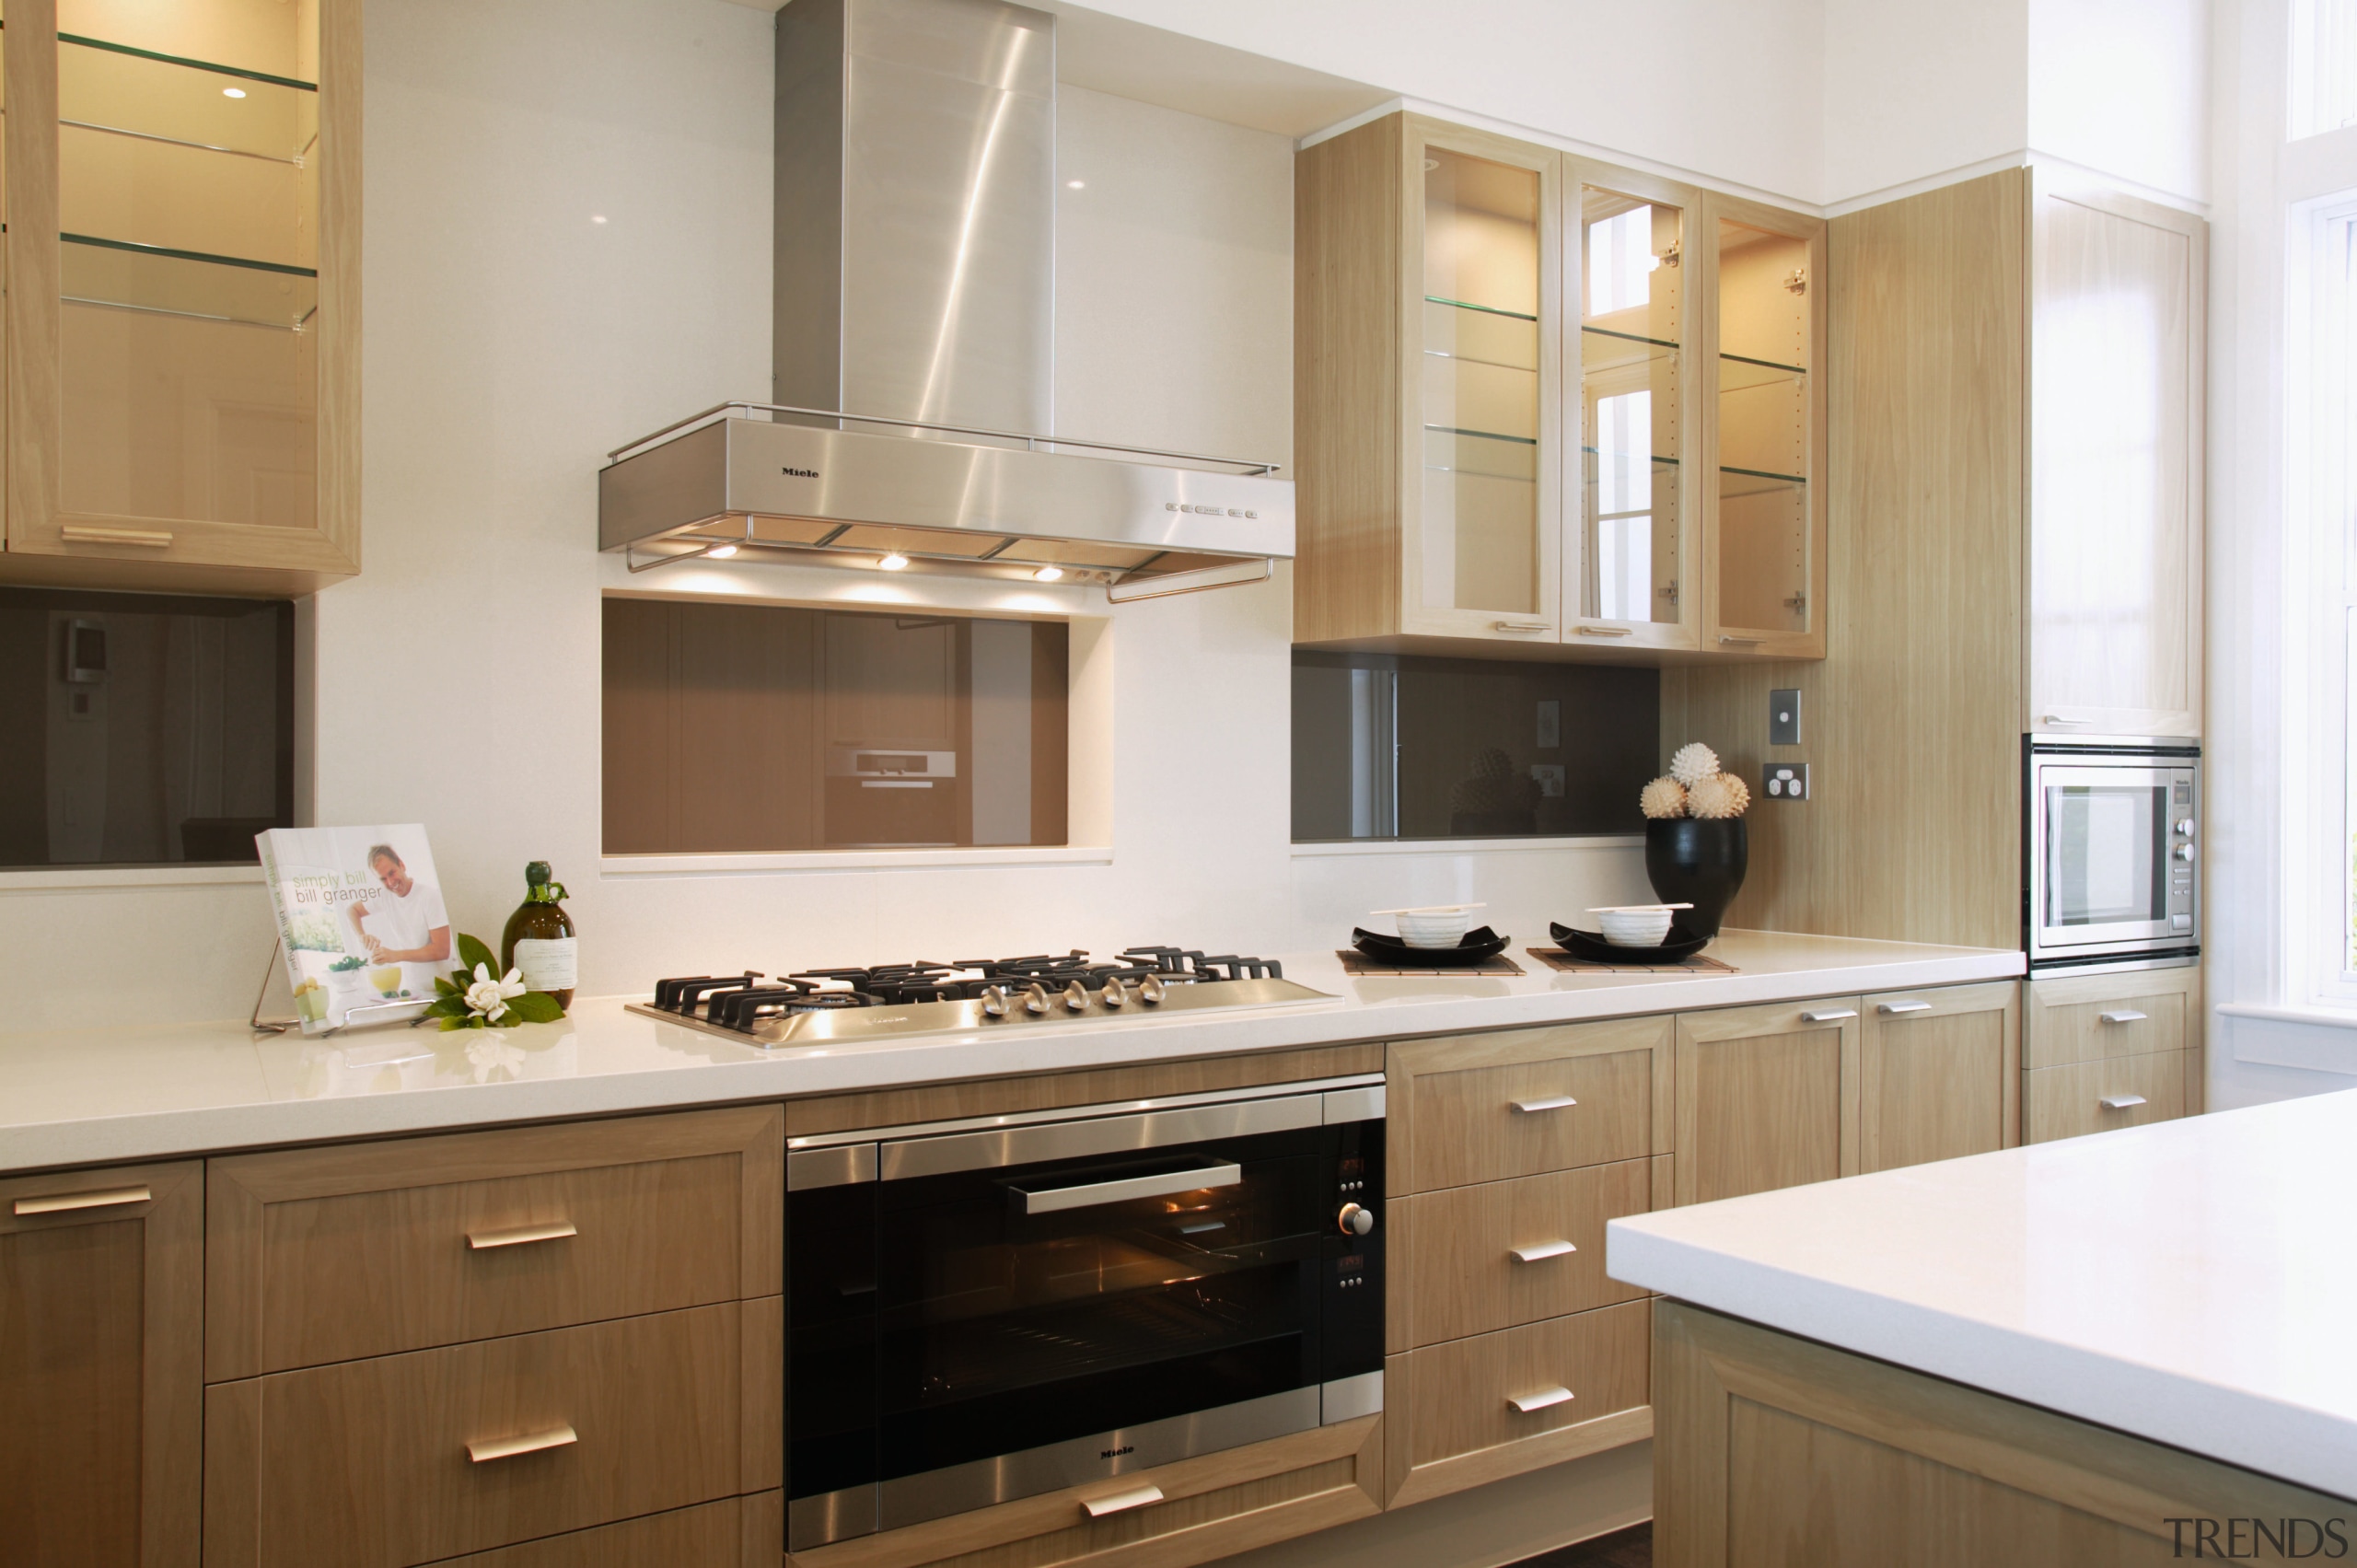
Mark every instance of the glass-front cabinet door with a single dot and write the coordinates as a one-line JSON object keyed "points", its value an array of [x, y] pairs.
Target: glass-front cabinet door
{"points": [[183, 256], [1627, 560], [1482, 545], [1766, 525]]}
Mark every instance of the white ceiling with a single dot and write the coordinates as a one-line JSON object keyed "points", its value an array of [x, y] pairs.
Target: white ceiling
{"points": [[1113, 54]]}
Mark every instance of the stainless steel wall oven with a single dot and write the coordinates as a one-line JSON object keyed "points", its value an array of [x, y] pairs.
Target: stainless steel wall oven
{"points": [[986, 1310], [2111, 869]]}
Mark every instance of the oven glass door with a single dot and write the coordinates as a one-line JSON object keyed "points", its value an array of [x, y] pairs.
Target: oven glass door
{"points": [[2104, 855]]}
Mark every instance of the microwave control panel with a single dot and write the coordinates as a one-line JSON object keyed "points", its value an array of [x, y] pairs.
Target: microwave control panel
{"points": [[2182, 854]]}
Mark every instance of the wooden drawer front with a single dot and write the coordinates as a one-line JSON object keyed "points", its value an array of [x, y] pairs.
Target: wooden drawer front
{"points": [[1939, 1074], [1460, 1096], [325, 1255], [728, 1534], [1766, 1098], [1464, 1391], [366, 1465], [1455, 1250], [2063, 1102], [2092, 1017]]}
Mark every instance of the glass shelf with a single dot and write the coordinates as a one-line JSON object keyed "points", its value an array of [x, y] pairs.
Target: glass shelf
{"points": [[1738, 374], [1654, 458], [1484, 310], [1756, 481], [118, 274], [116, 90]]}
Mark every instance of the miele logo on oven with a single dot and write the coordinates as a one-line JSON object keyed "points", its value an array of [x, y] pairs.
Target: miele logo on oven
{"points": [[799, 473], [1117, 1453]]}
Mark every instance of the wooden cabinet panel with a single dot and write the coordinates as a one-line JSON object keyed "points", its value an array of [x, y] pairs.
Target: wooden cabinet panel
{"points": [[100, 1377], [1455, 1421], [2063, 1102], [1456, 1250], [1939, 1074], [2089, 1018], [1759, 1433], [325, 1255], [1766, 1097], [1453, 1115], [371, 1463], [711, 1535], [1210, 1506], [2117, 434]]}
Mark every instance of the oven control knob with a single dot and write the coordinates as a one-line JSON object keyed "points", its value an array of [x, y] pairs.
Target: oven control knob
{"points": [[1076, 996], [1113, 995], [2182, 827], [1151, 989], [2184, 851], [995, 1001], [1034, 997], [1354, 1220]]}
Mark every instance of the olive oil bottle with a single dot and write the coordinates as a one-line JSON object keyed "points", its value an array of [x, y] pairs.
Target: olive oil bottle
{"points": [[539, 938]]}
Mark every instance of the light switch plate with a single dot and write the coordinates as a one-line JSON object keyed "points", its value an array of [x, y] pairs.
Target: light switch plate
{"points": [[1784, 781], [1784, 717]]}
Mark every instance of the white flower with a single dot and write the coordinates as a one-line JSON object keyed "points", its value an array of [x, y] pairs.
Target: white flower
{"points": [[487, 998]]}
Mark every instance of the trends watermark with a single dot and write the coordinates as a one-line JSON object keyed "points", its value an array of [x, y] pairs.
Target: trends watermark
{"points": [[2239, 1537]]}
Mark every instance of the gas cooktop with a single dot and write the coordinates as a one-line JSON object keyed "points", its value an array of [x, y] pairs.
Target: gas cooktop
{"points": [[894, 1001]]}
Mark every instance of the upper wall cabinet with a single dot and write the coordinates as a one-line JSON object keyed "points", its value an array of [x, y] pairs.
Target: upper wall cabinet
{"points": [[182, 257], [2113, 622], [1507, 436]]}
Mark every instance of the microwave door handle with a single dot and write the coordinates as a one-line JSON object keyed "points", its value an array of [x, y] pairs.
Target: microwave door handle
{"points": [[1162, 1184]]}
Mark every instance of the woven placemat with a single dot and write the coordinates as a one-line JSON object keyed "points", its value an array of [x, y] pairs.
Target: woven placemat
{"points": [[1358, 963], [1694, 963]]}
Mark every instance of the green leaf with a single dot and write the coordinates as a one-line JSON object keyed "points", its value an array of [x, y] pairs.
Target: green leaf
{"points": [[535, 1007], [454, 1023], [449, 989], [473, 952], [448, 1007]]}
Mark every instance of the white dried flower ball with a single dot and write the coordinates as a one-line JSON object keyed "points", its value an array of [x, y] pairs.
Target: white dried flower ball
{"points": [[1692, 763], [1663, 798], [1719, 796]]}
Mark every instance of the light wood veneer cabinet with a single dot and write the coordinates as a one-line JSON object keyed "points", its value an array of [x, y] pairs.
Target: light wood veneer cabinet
{"points": [[2112, 1051], [434, 1347], [1766, 1097], [101, 1388], [1552, 409], [183, 317], [1844, 1462], [1939, 1074]]}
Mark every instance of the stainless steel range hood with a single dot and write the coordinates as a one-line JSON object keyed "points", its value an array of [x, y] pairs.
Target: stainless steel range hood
{"points": [[913, 348]]}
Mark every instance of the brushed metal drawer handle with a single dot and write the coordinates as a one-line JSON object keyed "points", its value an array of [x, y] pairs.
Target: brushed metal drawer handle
{"points": [[2121, 1102], [1546, 1399], [1544, 1102], [1739, 642], [2124, 1016], [1122, 1502], [1888, 1009], [1829, 1016], [529, 1443], [146, 539], [1540, 1251], [1522, 626], [63, 1203], [1603, 631], [480, 1240]]}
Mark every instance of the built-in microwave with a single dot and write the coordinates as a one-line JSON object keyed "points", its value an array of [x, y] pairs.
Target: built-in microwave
{"points": [[2111, 873]]}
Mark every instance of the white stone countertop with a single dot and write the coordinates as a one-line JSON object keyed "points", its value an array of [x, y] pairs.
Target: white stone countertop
{"points": [[102, 1096], [2188, 1281]]}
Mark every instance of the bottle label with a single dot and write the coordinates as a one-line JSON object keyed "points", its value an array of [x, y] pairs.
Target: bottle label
{"points": [[548, 963]]}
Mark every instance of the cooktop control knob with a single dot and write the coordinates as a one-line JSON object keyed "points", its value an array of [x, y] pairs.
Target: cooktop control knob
{"points": [[995, 1001], [1034, 997], [1076, 996], [1113, 995], [1151, 989], [1354, 1220]]}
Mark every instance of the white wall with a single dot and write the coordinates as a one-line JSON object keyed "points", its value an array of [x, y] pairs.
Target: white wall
{"points": [[2122, 87], [511, 339], [1916, 89]]}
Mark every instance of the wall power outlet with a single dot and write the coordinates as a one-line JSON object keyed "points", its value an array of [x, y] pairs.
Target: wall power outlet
{"points": [[1784, 781]]}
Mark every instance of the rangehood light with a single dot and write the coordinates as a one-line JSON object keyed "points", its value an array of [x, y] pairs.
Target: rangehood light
{"points": [[1047, 574], [722, 552], [892, 563]]}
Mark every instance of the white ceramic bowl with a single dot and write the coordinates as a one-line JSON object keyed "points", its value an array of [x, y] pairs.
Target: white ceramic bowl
{"points": [[1636, 925], [1443, 925]]}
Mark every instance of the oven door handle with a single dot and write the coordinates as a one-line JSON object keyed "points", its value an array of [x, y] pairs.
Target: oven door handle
{"points": [[1194, 1179]]}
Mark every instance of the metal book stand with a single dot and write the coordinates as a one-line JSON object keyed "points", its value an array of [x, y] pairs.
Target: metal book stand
{"points": [[351, 1019]]}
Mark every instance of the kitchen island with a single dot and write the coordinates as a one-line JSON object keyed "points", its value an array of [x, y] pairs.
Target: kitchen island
{"points": [[2120, 1348]]}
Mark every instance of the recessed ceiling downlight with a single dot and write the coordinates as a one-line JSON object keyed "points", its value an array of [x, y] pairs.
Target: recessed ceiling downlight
{"points": [[1047, 574], [233, 92], [893, 562], [723, 553]]}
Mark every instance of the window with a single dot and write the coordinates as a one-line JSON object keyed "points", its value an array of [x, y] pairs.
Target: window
{"points": [[2322, 86], [1393, 746], [142, 729], [734, 728]]}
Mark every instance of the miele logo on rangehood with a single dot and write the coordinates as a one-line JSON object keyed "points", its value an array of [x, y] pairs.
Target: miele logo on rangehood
{"points": [[1208, 511], [799, 473]]}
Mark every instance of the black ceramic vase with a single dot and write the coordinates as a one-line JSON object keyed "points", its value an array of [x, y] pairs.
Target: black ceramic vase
{"points": [[1694, 862]]}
